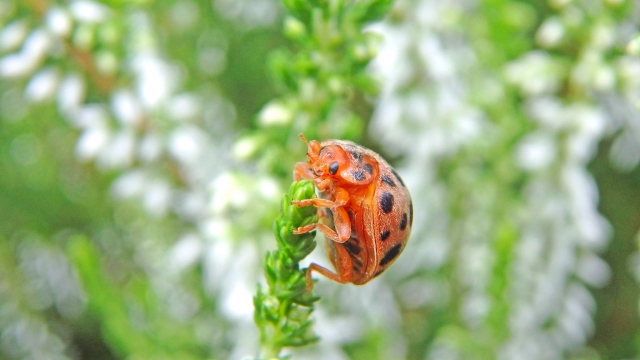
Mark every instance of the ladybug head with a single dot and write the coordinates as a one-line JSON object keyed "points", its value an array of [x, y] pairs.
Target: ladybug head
{"points": [[331, 162], [325, 161]]}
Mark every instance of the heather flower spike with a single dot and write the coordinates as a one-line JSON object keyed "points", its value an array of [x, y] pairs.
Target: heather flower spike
{"points": [[283, 307]]}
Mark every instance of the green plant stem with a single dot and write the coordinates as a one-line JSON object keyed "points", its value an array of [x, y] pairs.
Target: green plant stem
{"points": [[284, 307]]}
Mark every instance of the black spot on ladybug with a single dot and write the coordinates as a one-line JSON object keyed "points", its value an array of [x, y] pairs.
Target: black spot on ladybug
{"points": [[333, 168], [391, 254], [368, 168], [385, 235], [378, 272], [359, 175], [411, 213], [403, 222], [386, 202], [387, 180], [398, 177], [356, 155], [352, 247]]}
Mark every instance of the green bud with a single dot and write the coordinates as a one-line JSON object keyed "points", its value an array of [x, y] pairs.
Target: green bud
{"points": [[294, 28]]}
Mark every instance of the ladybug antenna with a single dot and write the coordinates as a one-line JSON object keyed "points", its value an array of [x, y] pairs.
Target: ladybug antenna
{"points": [[313, 148], [304, 139]]}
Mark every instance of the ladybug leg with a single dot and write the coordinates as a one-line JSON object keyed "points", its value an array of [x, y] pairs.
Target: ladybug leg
{"points": [[327, 231], [341, 220], [322, 185], [342, 224], [302, 171], [317, 202], [324, 271], [341, 199], [341, 261]]}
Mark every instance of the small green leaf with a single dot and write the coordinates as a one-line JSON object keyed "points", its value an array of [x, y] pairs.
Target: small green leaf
{"points": [[283, 310]]}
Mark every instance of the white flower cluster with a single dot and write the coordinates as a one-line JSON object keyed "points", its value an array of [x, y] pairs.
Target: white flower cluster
{"points": [[556, 258], [50, 282], [562, 233], [171, 147], [425, 115]]}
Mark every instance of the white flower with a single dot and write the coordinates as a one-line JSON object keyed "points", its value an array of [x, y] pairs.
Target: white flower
{"points": [[71, 94], [276, 113], [157, 198], [186, 251], [43, 85], [550, 32], [91, 142], [126, 108], [12, 35], [536, 151], [89, 11], [21, 64], [58, 21]]}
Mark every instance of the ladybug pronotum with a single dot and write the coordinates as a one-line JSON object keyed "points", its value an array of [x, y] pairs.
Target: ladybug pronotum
{"points": [[365, 209]]}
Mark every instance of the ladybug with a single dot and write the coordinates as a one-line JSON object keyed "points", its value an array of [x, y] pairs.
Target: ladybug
{"points": [[364, 208]]}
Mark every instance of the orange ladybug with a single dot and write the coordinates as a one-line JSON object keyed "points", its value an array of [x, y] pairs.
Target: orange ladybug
{"points": [[365, 209]]}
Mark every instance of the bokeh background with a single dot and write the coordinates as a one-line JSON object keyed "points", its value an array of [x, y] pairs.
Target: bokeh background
{"points": [[145, 146]]}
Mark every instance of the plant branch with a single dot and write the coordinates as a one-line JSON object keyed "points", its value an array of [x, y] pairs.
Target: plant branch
{"points": [[283, 308]]}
